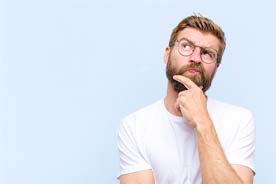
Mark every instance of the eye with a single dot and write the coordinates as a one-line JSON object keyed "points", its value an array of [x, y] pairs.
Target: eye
{"points": [[186, 45], [208, 53]]}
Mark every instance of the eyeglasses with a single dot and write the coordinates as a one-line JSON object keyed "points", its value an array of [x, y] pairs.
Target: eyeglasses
{"points": [[208, 55]]}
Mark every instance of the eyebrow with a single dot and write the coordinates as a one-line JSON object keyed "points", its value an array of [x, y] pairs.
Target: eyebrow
{"points": [[184, 38]]}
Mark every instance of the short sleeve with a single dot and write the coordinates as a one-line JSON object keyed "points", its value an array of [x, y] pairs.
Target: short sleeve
{"points": [[242, 150], [131, 157]]}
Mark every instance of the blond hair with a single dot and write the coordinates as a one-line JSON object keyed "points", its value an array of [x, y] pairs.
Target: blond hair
{"points": [[203, 24]]}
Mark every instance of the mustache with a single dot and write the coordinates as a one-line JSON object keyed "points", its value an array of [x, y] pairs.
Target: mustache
{"points": [[195, 66]]}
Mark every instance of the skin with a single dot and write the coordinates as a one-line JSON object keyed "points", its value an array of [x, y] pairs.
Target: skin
{"points": [[192, 104]]}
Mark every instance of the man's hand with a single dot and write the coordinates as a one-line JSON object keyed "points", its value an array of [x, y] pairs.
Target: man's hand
{"points": [[192, 102], [214, 166]]}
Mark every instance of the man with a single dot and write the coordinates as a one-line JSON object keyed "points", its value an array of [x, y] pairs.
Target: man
{"points": [[188, 137]]}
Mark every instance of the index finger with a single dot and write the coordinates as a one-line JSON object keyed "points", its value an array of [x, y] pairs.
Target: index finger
{"points": [[188, 83]]}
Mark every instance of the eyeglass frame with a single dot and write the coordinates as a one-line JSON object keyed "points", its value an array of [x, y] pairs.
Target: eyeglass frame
{"points": [[201, 48]]}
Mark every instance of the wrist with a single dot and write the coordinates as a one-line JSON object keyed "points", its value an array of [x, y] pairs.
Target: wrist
{"points": [[203, 124]]}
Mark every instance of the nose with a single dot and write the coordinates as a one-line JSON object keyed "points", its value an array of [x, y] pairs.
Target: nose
{"points": [[196, 55]]}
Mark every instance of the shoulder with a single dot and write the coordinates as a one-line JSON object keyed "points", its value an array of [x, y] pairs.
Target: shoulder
{"points": [[136, 127], [230, 119], [143, 117], [236, 131], [227, 110]]}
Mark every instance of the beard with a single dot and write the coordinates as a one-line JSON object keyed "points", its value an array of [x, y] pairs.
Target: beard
{"points": [[201, 79]]}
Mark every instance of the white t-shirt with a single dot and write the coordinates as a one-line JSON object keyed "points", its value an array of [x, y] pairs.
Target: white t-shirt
{"points": [[153, 138]]}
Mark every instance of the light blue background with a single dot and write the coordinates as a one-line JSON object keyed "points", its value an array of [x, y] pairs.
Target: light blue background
{"points": [[70, 70]]}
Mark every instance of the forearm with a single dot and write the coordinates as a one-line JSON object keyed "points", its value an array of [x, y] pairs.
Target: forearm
{"points": [[215, 168]]}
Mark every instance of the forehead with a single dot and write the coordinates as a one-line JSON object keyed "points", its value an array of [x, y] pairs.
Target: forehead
{"points": [[199, 38]]}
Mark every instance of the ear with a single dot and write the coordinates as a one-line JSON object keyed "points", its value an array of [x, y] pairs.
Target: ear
{"points": [[167, 54]]}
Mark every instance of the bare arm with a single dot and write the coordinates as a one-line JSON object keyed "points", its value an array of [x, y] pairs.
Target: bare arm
{"points": [[215, 168], [140, 177], [245, 173]]}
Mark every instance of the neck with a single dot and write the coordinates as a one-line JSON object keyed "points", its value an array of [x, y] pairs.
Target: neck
{"points": [[170, 101]]}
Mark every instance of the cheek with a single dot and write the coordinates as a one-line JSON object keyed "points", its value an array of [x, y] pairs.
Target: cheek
{"points": [[210, 69], [178, 61]]}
